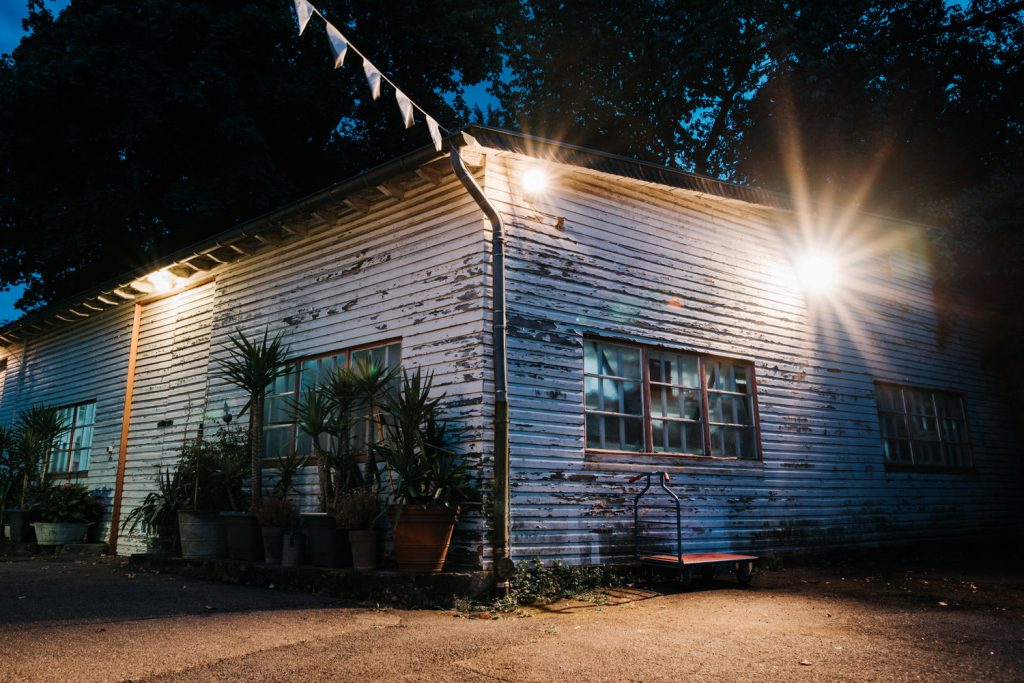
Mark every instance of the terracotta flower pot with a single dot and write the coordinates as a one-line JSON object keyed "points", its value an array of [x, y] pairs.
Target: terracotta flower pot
{"points": [[422, 536]]}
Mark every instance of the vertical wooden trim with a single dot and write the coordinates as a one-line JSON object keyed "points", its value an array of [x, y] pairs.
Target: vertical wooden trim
{"points": [[705, 407], [126, 416], [909, 424], [647, 401], [756, 412]]}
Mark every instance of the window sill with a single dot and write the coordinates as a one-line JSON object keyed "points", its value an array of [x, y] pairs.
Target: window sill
{"points": [[67, 475], [638, 461], [930, 469]]}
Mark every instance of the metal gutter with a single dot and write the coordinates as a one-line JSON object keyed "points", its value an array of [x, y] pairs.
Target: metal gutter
{"points": [[501, 492]]}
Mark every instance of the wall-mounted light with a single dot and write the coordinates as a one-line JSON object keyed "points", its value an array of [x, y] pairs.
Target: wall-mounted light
{"points": [[163, 281], [817, 271], [534, 180]]}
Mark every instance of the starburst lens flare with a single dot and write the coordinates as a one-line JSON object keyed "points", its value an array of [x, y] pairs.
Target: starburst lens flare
{"points": [[817, 271], [535, 180]]}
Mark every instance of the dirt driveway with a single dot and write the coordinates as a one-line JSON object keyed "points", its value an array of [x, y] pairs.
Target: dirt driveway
{"points": [[97, 621]]}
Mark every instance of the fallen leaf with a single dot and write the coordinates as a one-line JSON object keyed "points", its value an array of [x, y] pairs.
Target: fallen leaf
{"points": [[804, 662], [943, 604]]}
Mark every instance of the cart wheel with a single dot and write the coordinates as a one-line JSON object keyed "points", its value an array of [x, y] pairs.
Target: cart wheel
{"points": [[686, 577], [744, 573], [707, 572]]}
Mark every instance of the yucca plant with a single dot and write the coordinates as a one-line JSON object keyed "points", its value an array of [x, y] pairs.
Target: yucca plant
{"points": [[158, 512], [315, 419], [252, 366], [33, 438], [419, 448]]}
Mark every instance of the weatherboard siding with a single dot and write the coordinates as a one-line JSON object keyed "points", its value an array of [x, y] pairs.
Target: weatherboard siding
{"points": [[409, 269], [639, 262], [63, 368]]}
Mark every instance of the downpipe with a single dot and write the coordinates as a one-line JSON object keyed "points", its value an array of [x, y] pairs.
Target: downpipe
{"points": [[502, 560]]}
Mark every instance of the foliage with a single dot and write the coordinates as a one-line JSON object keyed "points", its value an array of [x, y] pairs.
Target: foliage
{"points": [[24, 453], [158, 512], [337, 415], [288, 467], [536, 582], [275, 511], [210, 472], [358, 509], [68, 503], [418, 448], [191, 116], [252, 366]]}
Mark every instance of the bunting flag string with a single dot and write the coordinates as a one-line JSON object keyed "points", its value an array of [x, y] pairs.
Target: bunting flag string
{"points": [[372, 78], [340, 45]]}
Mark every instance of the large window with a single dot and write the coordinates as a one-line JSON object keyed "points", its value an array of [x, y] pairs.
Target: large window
{"points": [[74, 445], [280, 433], [658, 401], [923, 428]]}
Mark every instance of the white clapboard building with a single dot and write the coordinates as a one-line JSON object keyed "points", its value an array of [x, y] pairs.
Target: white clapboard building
{"points": [[784, 361]]}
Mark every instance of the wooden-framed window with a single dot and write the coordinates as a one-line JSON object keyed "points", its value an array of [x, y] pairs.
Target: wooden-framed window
{"points": [[281, 435], [651, 400], [923, 428], [73, 451]]}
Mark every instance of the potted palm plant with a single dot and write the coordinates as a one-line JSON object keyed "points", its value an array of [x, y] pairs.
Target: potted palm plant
{"points": [[277, 513], [28, 445], [67, 511], [429, 479], [252, 366], [316, 419]]}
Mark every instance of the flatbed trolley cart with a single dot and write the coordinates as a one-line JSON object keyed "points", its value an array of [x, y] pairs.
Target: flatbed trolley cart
{"points": [[686, 563]]}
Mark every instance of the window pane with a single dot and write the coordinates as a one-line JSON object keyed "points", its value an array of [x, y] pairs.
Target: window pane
{"points": [[86, 414], [278, 410], [889, 398], [683, 370], [80, 460], [594, 431], [592, 391], [919, 402], [897, 451], [277, 441], [590, 357], [694, 435], [630, 365], [654, 367], [59, 460], [632, 402], [82, 438], [282, 384], [633, 434], [925, 428]]}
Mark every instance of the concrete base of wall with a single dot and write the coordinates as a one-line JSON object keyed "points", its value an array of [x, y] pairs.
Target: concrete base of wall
{"points": [[384, 587]]}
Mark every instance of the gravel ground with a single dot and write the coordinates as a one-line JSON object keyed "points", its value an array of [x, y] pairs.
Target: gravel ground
{"points": [[909, 619]]}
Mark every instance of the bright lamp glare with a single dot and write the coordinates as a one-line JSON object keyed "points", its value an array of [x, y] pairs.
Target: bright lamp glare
{"points": [[163, 281], [535, 180], [817, 271]]}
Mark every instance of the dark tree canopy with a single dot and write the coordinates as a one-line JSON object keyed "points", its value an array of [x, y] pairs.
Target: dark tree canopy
{"points": [[128, 129], [131, 128]]}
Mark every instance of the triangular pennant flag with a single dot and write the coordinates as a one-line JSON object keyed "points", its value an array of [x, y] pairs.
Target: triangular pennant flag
{"points": [[435, 133], [303, 10], [372, 77], [339, 46], [405, 106]]}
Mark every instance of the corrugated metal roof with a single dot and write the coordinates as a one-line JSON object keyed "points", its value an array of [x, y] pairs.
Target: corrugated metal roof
{"points": [[530, 145]]}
